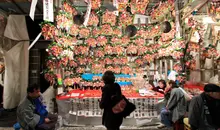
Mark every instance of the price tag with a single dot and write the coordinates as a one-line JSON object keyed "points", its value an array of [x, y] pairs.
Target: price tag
{"points": [[59, 90]]}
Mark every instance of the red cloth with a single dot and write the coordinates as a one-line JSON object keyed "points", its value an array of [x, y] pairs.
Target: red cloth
{"points": [[98, 93], [178, 125], [191, 86]]}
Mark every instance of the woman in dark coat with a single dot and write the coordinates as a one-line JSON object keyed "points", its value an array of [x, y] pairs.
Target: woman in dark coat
{"points": [[111, 90]]}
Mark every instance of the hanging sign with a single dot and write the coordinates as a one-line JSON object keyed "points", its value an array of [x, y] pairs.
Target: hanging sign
{"points": [[48, 10], [115, 3], [32, 9], [89, 7]]}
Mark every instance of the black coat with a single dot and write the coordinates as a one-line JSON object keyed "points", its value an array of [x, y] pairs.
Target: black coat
{"points": [[109, 119]]}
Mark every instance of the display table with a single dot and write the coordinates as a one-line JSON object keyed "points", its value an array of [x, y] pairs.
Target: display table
{"points": [[82, 107]]}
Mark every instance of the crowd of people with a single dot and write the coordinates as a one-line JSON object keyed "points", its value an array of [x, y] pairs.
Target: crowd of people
{"points": [[203, 110]]}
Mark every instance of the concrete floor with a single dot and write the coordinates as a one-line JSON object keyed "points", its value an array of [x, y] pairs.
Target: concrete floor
{"points": [[93, 128]]}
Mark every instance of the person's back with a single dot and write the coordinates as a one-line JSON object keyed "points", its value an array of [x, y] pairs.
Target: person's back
{"points": [[197, 118], [204, 109], [175, 109], [110, 94], [25, 114], [177, 104]]}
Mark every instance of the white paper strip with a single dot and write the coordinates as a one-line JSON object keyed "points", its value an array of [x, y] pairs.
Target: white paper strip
{"points": [[89, 7], [166, 68], [161, 67], [48, 10], [32, 9], [115, 3], [35, 40]]}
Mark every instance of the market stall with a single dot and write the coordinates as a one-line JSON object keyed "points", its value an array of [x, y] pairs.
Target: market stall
{"points": [[138, 48]]}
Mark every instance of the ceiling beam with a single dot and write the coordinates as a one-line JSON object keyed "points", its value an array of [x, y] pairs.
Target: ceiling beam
{"points": [[37, 6], [18, 6]]}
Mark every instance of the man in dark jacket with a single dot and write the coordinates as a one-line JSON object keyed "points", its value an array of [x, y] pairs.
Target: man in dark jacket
{"points": [[32, 115], [204, 109]]}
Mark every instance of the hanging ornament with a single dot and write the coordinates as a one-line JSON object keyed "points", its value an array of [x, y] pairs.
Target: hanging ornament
{"points": [[78, 19], [166, 27], [130, 30]]}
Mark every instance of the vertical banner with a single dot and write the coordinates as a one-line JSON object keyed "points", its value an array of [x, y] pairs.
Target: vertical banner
{"points": [[32, 9], [48, 10], [88, 11]]}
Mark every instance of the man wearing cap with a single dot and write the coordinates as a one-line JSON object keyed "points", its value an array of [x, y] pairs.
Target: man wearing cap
{"points": [[204, 109]]}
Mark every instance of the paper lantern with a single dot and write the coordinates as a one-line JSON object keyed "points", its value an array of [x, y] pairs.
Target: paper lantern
{"points": [[78, 19], [165, 27], [130, 30]]}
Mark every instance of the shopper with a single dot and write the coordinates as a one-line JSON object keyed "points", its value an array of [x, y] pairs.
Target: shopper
{"points": [[204, 109], [175, 109], [110, 120], [31, 113]]}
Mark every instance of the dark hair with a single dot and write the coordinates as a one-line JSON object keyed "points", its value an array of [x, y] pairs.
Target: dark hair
{"points": [[163, 82], [32, 87], [108, 77], [211, 88], [173, 83]]}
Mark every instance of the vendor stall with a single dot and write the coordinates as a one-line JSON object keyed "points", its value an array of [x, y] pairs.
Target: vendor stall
{"points": [[82, 107], [139, 49]]}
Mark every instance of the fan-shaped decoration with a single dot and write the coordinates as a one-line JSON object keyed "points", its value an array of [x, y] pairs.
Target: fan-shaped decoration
{"points": [[139, 6], [130, 30], [109, 17], [166, 27], [78, 19]]}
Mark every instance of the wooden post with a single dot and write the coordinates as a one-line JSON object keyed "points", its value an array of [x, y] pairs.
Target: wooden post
{"points": [[165, 62], [213, 66], [139, 22], [146, 21]]}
